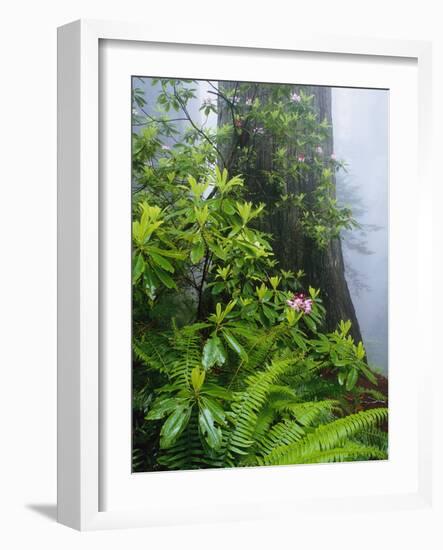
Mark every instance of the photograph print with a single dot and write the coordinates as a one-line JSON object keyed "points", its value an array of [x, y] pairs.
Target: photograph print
{"points": [[259, 274]]}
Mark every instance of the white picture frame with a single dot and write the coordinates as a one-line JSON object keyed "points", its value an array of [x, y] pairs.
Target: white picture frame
{"points": [[80, 413]]}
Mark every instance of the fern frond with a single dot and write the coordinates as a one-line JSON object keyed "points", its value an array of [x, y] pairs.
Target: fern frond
{"points": [[316, 388], [267, 415], [347, 453], [154, 351], [187, 343], [282, 434], [265, 419], [281, 393], [247, 405], [374, 438], [310, 412], [262, 346], [377, 396]]}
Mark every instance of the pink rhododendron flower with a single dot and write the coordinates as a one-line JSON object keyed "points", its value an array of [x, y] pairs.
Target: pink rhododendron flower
{"points": [[299, 302], [301, 158], [296, 98]]}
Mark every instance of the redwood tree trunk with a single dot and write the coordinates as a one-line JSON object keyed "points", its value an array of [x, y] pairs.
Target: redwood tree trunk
{"points": [[324, 268]]}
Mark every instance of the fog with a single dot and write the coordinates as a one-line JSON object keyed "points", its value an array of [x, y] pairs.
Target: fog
{"points": [[360, 125]]}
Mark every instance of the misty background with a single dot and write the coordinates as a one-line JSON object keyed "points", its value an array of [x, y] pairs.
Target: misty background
{"points": [[360, 124], [360, 129]]}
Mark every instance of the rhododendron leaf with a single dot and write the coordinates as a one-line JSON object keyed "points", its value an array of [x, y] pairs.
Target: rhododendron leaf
{"points": [[234, 345], [161, 261], [177, 254], [161, 407], [197, 252], [228, 207], [270, 314], [249, 309], [197, 378], [218, 251], [368, 373], [210, 432], [138, 268], [174, 425], [164, 277], [341, 377], [351, 379], [213, 353], [217, 391], [217, 288], [360, 350], [310, 323], [234, 231], [217, 411], [151, 282]]}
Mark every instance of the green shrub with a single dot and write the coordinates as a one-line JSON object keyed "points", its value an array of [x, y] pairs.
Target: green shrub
{"points": [[231, 366]]}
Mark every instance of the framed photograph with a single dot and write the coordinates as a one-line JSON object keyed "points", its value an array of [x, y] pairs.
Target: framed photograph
{"points": [[234, 287]]}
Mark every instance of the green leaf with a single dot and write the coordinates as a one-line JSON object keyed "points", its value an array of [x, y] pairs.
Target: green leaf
{"points": [[217, 288], [162, 407], [216, 410], [269, 312], [161, 261], [177, 254], [341, 377], [368, 373], [219, 252], [236, 229], [197, 378], [298, 339], [164, 277], [311, 324], [174, 425], [197, 251], [213, 353], [150, 280], [217, 391], [360, 351], [233, 344], [351, 379], [228, 208], [138, 268], [212, 434]]}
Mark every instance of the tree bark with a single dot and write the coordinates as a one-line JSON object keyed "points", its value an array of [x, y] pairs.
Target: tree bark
{"points": [[324, 268]]}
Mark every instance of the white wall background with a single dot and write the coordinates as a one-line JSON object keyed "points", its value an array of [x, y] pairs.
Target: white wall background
{"points": [[28, 267]]}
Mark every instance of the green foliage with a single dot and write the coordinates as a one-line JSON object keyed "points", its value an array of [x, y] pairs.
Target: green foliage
{"points": [[262, 419], [258, 114], [226, 372], [334, 437]]}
